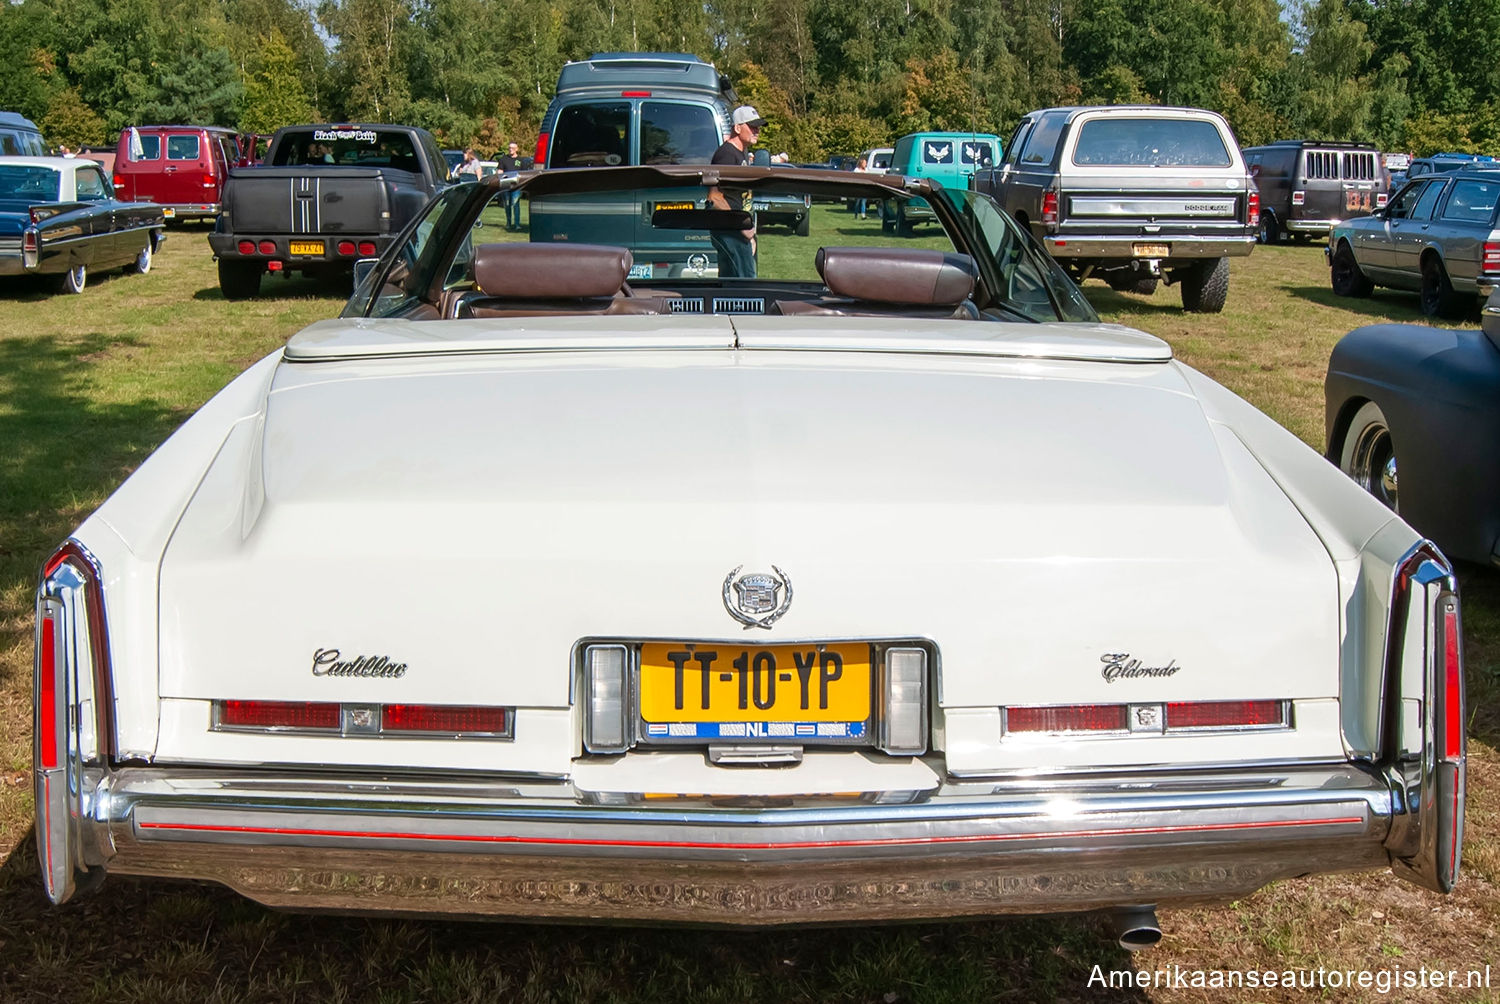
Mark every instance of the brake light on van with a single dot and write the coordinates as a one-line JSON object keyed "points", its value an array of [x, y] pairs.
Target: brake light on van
{"points": [[1299, 198], [635, 94], [541, 149], [1382, 200]]}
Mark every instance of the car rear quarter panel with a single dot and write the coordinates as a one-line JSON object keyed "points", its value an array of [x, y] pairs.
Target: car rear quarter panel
{"points": [[1439, 390]]}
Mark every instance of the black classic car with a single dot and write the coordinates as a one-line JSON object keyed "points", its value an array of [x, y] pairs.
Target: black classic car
{"points": [[1428, 398], [59, 218]]}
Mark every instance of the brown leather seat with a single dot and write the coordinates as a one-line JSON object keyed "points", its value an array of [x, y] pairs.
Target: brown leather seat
{"points": [[539, 280], [891, 282]]}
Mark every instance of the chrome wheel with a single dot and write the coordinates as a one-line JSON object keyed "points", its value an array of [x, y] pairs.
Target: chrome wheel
{"points": [[74, 279], [142, 263], [1369, 455]]}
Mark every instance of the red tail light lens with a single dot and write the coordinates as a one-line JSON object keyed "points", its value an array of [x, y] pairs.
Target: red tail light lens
{"points": [[367, 249], [541, 150], [208, 181], [1453, 685], [28, 241], [247, 247], [1382, 200], [346, 247], [1068, 718], [1491, 257], [118, 181], [635, 94], [278, 715], [48, 755], [1225, 714], [1049, 208], [1254, 208], [446, 719], [1299, 198], [267, 247]]}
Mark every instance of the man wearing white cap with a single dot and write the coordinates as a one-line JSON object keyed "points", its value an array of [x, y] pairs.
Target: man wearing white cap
{"points": [[736, 249]]}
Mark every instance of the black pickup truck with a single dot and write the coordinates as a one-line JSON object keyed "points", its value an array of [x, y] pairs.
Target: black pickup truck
{"points": [[327, 196]]}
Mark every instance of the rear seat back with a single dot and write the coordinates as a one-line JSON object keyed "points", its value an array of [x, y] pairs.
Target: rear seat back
{"points": [[915, 282], [528, 280]]}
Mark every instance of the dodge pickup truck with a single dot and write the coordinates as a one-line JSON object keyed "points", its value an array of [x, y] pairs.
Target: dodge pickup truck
{"points": [[327, 196], [1132, 195]]}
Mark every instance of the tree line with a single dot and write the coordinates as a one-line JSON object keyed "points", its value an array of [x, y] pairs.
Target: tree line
{"points": [[832, 76]]}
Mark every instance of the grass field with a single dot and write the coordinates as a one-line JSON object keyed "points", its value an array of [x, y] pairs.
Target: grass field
{"points": [[90, 384]]}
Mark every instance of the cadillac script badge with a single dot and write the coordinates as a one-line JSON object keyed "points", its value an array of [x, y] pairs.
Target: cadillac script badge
{"points": [[750, 596]]}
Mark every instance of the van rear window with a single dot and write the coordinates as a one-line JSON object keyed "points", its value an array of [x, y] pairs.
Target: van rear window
{"points": [[182, 147], [592, 134], [677, 133], [1150, 142], [150, 147]]}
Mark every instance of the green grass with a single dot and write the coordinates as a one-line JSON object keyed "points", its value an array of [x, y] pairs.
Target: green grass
{"points": [[90, 384]]}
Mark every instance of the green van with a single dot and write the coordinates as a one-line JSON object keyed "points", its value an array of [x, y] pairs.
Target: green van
{"points": [[630, 109], [949, 158]]}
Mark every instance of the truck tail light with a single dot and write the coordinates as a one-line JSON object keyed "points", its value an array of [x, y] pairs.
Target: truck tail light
{"points": [[208, 181], [1049, 208], [1382, 200], [1299, 198], [267, 247], [247, 247], [606, 686], [903, 719], [367, 249], [1253, 209], [541, 150], [346, 247], [118, 181]]}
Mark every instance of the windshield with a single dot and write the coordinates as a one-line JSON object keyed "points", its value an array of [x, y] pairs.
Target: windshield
{"points": [[34, 184], [768, 242]]}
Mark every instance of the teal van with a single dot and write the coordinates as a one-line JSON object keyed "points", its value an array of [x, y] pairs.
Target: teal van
{"points": [[633, 109], [949, 158]]}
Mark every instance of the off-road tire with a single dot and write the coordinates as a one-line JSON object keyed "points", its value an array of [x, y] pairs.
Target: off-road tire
{"points": [[1205, 286], [239, 280], [1438, 298], [1345, 276]]}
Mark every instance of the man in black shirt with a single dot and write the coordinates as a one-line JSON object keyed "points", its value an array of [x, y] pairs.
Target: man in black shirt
{"points": [[736, 249], [510, 162]]}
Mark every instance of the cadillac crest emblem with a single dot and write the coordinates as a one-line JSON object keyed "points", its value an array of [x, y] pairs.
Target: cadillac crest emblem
{"points": [[749, 596]]}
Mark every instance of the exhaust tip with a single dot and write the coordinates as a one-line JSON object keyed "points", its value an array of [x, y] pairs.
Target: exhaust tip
{"points": [[1135, 928]]}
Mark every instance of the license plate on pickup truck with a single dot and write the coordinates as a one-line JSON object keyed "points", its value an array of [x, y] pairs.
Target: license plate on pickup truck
{"points": [[305, 247], [1151, 250], [797, 693]]}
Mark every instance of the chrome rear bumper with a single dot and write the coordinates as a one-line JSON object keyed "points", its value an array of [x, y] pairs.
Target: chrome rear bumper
{"points": [[544, 849], [1071, 247]]}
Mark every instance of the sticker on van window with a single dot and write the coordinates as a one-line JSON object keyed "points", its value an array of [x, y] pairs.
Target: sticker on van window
{"points": [[937, 153], [974, 153]]}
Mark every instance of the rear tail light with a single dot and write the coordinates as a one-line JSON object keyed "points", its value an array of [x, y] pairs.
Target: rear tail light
{"points": [[1151, 719], [346, 247], [299, 716], [453, 720], [903, 721], [30, 248], [1253, 205], [1067, 718], [247, 247], [73, 726], [267, 247], [1225, 714], [1382, 200], [1491, 257], [118, 181], [541, 150], [208, 181], [606, 682], [1299, 198], [367, 249], [1049, 208], [364, 720]]}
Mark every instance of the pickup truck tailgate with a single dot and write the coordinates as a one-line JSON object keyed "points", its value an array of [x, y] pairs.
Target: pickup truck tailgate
{"points": [[299, 200]]}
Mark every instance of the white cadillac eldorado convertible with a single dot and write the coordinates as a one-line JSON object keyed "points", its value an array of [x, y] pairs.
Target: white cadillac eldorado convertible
{"points": [[567, 576]]}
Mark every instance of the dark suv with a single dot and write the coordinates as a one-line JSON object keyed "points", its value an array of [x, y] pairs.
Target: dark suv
{"points": [[1308, 187], [633, 108]]}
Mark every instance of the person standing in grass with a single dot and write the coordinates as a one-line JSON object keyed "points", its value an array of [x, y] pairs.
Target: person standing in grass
{"points": [[736, 249]]}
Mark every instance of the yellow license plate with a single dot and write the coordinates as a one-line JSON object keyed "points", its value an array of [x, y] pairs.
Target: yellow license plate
{"points": [[1151, 250], [168, 212], [675, 205], [306, 247], [789, 693]]}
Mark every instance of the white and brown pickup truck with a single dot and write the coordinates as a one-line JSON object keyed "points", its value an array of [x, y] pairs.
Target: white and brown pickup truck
{"points": [[327, 196], [1133, 195]]}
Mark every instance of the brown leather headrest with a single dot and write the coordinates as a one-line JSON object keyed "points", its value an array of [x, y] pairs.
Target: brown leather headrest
{"points": [[897, 275], [559, 271]]}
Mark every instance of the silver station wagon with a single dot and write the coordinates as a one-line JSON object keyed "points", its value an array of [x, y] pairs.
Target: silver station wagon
{"points": [[1438, 236]]}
